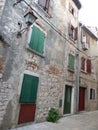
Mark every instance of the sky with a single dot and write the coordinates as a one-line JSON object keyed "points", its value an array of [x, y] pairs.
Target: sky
{"points": [[88, 13]]}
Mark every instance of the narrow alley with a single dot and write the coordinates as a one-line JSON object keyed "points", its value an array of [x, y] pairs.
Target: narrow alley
{"points": [[82, 121]]}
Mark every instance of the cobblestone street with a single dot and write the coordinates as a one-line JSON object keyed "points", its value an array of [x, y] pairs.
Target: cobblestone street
{"points": [[82, 121]]}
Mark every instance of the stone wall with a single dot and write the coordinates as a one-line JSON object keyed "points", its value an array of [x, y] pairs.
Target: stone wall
{"points": [[17, 59]]}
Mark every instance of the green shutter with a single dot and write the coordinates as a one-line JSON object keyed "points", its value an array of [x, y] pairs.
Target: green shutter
{"points": [[41, 42], [37, 40], [71, 62], [29, 89]]}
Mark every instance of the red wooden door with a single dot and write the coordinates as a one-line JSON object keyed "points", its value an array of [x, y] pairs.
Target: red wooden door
{"points": [[81, 99], [27, 113]]}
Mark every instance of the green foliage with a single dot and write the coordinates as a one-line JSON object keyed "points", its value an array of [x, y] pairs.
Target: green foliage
{"points": [[53, 115]]}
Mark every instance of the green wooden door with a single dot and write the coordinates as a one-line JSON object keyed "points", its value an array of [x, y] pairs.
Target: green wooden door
{"points": [[29, 89], [67, 101]]}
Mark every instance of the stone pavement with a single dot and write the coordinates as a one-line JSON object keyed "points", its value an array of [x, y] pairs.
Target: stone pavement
{"points": [[82, 121]]}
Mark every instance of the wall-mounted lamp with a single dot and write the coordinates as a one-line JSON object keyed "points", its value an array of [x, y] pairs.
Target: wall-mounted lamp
{"points": [[30, 18]]}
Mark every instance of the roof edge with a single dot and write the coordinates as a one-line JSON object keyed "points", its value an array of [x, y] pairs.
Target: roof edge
{"points": [[90, 32]]}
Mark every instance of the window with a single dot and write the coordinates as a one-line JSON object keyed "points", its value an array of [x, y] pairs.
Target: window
{"points": [[85, 65], [37, 40], [73, 32], [92, 94], [85, 38], [29, 89], [71, 62], [72, 10], [88, 66], [46, 5]]}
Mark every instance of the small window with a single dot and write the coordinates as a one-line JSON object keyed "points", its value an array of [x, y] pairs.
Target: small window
{"points": [[85, 65], [37, 40], [73, 32], [71, 62], [92, 94], [46, 5], [72, 10]]}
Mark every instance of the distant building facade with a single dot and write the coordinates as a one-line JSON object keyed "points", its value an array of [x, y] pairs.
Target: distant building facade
{"points": [[88, 70]]}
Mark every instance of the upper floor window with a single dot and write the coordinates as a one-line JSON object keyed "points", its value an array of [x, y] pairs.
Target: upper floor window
{"points": [[85, 37], [72, 10], [71, 62], [85, 65], [36, 41], [85, 41], [46, 5], [73, 32]]}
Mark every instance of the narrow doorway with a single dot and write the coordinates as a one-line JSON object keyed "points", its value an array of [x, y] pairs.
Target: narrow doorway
{"points": [[81, 99], [67, 100], [28, 98]]}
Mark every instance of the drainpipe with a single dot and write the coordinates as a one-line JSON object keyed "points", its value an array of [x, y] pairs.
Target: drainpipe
{"points": [[78, 67]]}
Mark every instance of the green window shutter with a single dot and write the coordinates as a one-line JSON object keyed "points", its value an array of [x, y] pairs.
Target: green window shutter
{"points": [[71, 62], [40, 46], [29, 89], [37, 40], [34, 38]]}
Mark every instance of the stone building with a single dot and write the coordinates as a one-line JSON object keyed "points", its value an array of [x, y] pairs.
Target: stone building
{"points": [[38, 61], [88, 97]]}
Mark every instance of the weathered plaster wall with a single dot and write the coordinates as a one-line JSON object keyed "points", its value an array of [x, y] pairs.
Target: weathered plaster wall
{"points": [[52, 69], [18, 59]]}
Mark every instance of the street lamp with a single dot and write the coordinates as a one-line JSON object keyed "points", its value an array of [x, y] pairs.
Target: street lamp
{"points": [[30, 18]]}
